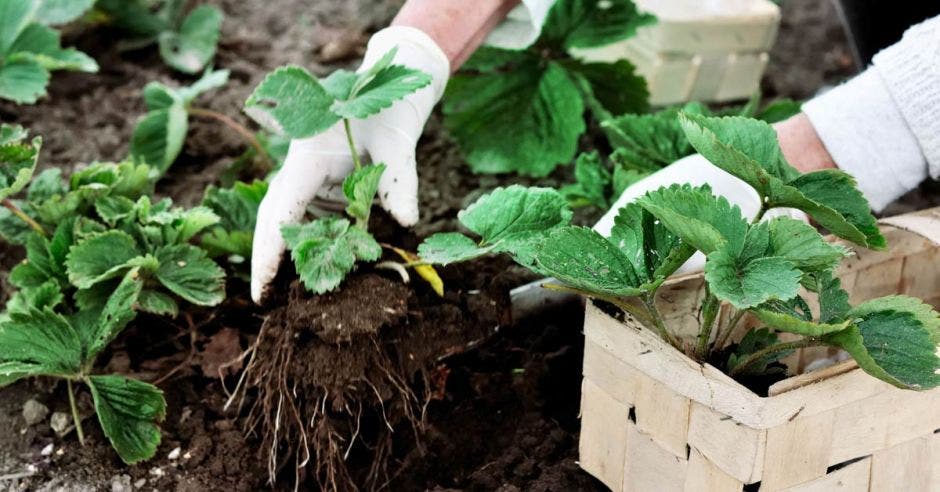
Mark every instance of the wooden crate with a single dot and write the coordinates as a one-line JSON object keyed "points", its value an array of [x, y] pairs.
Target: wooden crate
{"points": [[655, 420]]}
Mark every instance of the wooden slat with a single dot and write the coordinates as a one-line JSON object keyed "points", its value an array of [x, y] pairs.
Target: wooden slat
{"points": [[851, 478], [807, 379], [603, 435], [650, 467], [797, 451], [702, 474], [906, 467], [617, 379], [736, 449], [662, 414]]}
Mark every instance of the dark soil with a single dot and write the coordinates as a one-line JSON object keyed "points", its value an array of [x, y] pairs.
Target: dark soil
{"points": [[473, 402]]}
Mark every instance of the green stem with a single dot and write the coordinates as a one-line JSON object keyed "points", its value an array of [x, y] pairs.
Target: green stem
{"points": [[709, 313], [22, 215], [237, 128], [75, 417], [622, 304], [773, 349], [649, 300], [729, 330], [352, 145], [763, 210]]}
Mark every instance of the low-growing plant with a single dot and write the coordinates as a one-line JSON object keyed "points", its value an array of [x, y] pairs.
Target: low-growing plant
{"points": [[642, 144], [98, 250], [292, 102], [30, 49], [159, 136], [757, 267], [523, 111], [187, 42]]}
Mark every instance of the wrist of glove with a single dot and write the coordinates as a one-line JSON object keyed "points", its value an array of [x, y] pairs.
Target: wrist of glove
{"points": [[696, 171], [313, 165]]}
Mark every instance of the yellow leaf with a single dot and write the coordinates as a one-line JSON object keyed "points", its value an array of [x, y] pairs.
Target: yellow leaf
{"points": [[427, 272]]}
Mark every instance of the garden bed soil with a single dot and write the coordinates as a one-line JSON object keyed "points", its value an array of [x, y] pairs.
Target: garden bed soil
{"points": [[501, 401]]}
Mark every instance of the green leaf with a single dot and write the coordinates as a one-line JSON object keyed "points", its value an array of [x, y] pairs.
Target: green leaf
{"points": [[893, 346], [211, 79], [325, 250], [752, 283], [754, 340], [591, 181], [583, 259], [654, 251], [12, 133], [17, 164], [43, 45], [42, 339], [16, 15], [100, 257], [384, 88], [23, 81], [189, 273], [159, 96], [359, 187], [45, 185], [797, 242], [193, 221], [515, 218], [117, 312], [155, 302], [924, 313], [444, 248], [589, 23], [648, 142], [62, 11], [194, 45], [237, 207], [703, 220], [339, 84], [134, 17], [833, 300], [616, 86], [837, 190], [46, 295], [526, 120], [792, 324], [158, 138], [779, 110], [290, 101], [113, 209], [129, 411]]}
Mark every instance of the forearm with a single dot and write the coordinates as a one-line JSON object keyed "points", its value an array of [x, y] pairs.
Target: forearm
{"points": [[457, 26], [801, 145]]}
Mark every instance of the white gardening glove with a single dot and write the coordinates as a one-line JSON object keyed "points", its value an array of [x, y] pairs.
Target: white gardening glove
{"points": [[322, 161], [696, 171]]}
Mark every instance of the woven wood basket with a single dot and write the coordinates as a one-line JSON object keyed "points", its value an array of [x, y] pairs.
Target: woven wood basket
{"points": [[655, 420]]}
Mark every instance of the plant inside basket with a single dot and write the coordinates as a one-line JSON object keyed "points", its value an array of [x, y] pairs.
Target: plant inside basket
{"points": [[756, 267]]}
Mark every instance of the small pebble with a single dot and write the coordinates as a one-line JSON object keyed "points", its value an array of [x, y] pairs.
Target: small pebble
{"points": [[157, 472], [140, 483], [60, 422], [175, 454], [121, 483], [46, 451], [34, 412]]}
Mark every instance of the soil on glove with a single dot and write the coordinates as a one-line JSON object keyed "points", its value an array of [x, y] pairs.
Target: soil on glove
{"points": [[441, 394]]}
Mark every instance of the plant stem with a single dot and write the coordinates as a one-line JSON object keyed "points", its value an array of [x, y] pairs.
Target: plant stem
{"points": [[773, 349], [75, 417], [649, 300], [622, 304], [729, 330], [237, 128], [352, 145], [709, 313], [762, 211], [22, 215]]}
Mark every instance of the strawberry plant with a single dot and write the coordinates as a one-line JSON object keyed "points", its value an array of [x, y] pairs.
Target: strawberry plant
{"points": [[291, 102], [645, 143], [30, 49], [522, 111], [186, 42], [93, 258], [756, 267]]}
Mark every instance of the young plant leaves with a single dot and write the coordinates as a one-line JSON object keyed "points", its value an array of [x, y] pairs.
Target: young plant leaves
{"points": [[753, 341], [589, 23], [325, 250], [583, 259], [51, 12], [703, 220], [359, 188], [591, 182], [654, 251], [188, 272], [237, 208], [17, 159], [751, 283], [129, 411], [509, 220], [38, 342], [191, 48]]}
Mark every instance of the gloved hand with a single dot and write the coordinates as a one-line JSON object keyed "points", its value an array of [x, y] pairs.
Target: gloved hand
{"points": [[696, 171], [318, 163]]}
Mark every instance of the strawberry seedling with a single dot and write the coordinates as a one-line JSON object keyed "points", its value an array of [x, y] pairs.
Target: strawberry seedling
{"points": [[291, 102], [756, 267], [30, 49], [522, 111], [186, 42]]}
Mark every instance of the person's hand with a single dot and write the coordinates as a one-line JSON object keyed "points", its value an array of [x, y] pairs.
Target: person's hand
{"points": [[696, 171], [316, 164]]}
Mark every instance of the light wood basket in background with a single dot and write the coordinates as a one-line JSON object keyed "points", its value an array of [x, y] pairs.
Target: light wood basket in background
{"points": [[655, 420]]}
